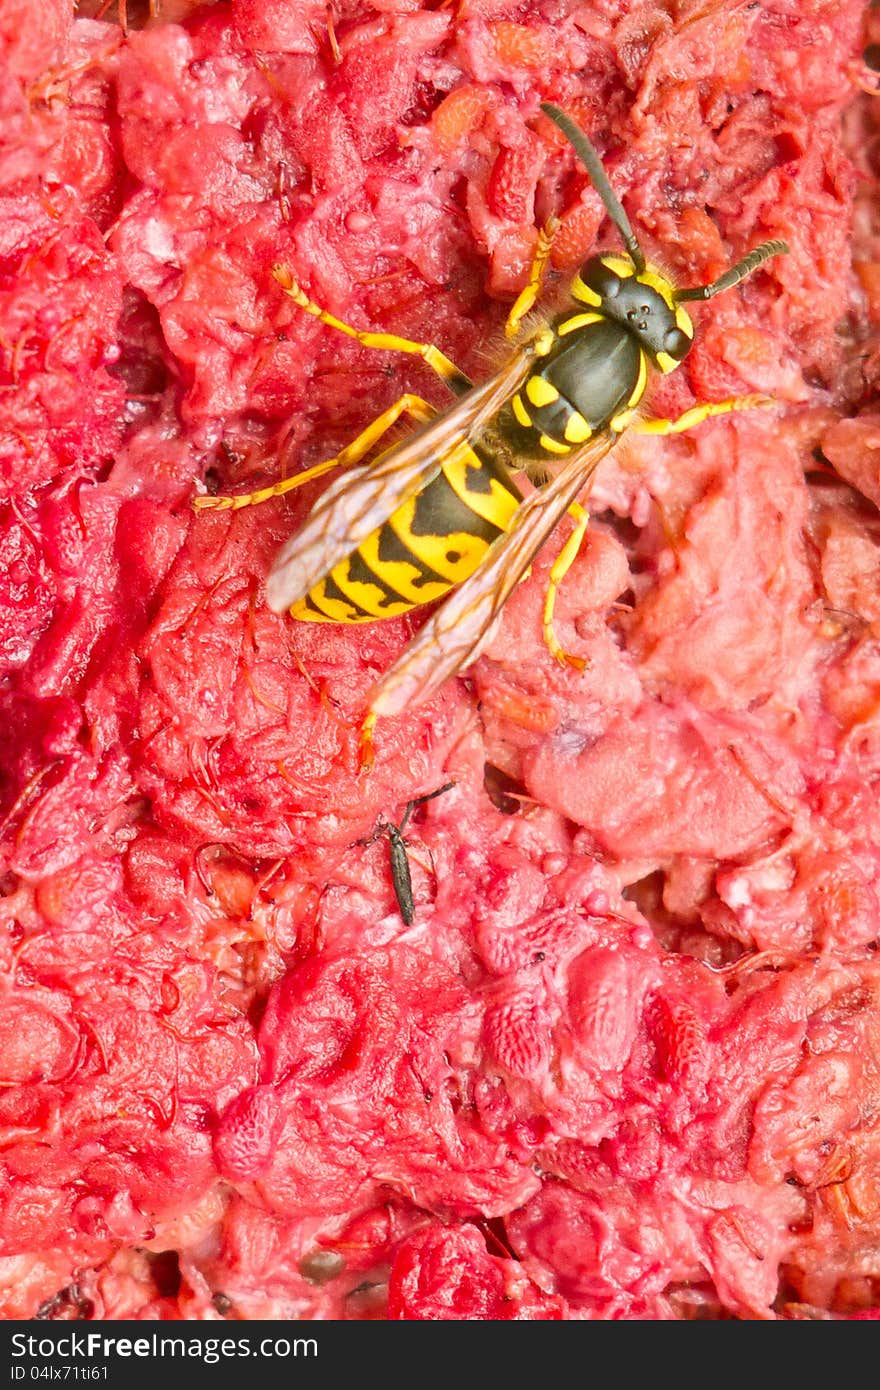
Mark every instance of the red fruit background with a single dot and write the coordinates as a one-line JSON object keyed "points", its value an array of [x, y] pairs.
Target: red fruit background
{"points": [[625, 1062]]}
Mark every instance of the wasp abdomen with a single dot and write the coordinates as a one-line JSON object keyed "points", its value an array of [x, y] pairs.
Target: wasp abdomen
{"points": [[432, 542]]}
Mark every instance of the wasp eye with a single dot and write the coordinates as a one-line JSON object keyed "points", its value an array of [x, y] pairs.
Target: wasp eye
{"points": [[676, 343], [600, 279]]}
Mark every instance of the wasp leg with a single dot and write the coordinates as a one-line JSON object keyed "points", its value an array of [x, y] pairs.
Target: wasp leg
{"points": [[561, 565], [698, 413], [365, 742], [527, 297], [408, 404], [436, 360]]}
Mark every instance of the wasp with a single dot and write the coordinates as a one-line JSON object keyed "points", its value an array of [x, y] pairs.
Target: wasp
{"points": [[440, 515]]}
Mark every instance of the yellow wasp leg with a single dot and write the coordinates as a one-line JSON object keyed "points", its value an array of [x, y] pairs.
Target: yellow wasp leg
{"points": [[365, 743], [698, 413], [528, 296], [435, 359], [408, 404], [560, 567]]}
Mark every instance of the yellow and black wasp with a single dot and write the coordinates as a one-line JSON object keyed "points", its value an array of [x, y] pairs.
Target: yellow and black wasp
{"points": [[441, 510]]}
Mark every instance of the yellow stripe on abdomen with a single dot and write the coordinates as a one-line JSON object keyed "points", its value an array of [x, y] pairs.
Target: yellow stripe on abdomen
{"points": [[483, 489], [433, 541]]}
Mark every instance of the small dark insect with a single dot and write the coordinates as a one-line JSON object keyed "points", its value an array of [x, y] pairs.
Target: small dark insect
{"points": [[400, 874]]}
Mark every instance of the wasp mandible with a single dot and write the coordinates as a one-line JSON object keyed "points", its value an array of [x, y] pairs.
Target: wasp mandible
{"points": [[441, 511]]}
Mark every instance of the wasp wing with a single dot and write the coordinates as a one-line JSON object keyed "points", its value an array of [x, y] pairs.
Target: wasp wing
{"points": [[461, 627], [356, 504]]}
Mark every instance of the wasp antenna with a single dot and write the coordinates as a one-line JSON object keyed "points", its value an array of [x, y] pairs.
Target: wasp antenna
{"points": [[736, 272], [587, 154]]}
